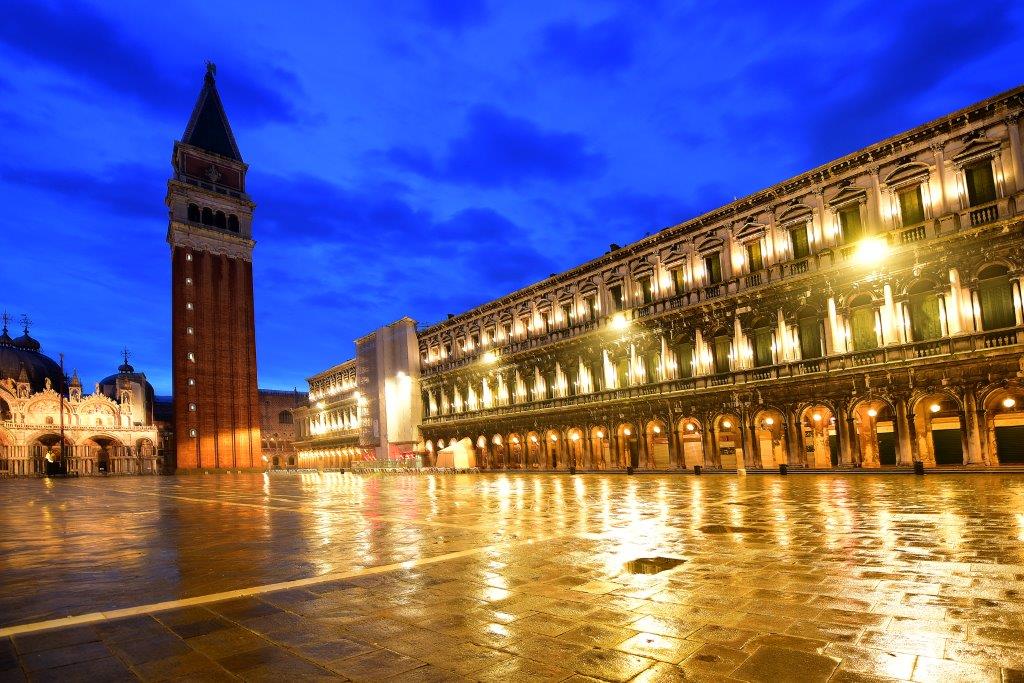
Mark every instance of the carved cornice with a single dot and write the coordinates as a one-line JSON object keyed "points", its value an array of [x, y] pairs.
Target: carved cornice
{"points": [[210, 241]]}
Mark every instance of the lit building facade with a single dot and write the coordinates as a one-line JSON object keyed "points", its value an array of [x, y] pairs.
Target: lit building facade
{"points": [[48, 425], [368, 408], [866, 313]]}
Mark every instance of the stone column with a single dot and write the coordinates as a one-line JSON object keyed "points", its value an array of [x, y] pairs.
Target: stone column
{"points": [[940, 171], [794, 438], [904, 452], [974, 418], [1016, 155], [708, 442], [844, 424], [875, 206]]}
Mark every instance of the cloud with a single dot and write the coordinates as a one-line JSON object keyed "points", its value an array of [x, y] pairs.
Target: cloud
{"points": [[594, 49], [456, 15], [128, 190], [74, 38], [498, 150], [857, 101]]}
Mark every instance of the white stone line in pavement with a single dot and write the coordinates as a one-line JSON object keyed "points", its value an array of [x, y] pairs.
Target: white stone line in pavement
{"points": [[97, 617]]}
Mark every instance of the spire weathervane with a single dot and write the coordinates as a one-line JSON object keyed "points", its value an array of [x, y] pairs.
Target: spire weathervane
{"points": [[126, 354], [6, 317], [211, 70], [26, 322]]}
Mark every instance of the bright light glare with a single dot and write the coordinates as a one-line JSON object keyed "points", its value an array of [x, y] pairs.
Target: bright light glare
{"points": [[871, 251], [619, 322]]}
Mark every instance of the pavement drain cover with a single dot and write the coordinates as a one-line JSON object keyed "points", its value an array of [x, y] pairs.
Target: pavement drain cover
{"points": [[723, 529], [652, 565]]}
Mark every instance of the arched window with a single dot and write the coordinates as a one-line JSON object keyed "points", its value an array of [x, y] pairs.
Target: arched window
{"points": [[862, 323], [232, 222], [995, 297], [220, 220], [924, 312], [193, 213], [207, 216], [622, 373], [284, 417]]}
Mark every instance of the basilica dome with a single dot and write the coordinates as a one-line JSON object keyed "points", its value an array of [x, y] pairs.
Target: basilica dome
{"points": [[23, 355], [135, 382]]}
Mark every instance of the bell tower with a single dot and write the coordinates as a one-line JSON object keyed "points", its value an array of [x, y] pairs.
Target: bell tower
{"points": [[216, 399]]}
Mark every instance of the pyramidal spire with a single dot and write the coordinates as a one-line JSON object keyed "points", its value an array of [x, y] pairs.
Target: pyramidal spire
{"points": [[208, 127]]}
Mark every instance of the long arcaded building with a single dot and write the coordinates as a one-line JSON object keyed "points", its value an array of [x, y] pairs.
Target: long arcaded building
{"points": [[866, 313]]}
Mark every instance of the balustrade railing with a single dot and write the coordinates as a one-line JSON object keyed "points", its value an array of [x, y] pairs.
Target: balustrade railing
{"points": [[901, 353]]}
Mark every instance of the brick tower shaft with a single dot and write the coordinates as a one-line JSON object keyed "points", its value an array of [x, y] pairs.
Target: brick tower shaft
{"points": [[216, 400]]}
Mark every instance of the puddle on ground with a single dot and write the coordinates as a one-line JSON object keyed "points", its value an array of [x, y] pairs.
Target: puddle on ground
{"points": [[723, 529], [652, 565]]}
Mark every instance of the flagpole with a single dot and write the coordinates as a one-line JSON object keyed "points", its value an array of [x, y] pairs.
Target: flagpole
{"points": [[60, 390]]}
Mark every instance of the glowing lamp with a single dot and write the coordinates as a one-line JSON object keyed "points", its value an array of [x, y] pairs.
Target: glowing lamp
{"points": [[816, 417], [619, 322], [871, 251], [490, 357], [600, 434], [533, 439], [554, 437], [575, 437], [690, 427], [627, 431], [935, 407], [872, 412], [1009, 402], [726, 424], [657, 430], [769, 421]]}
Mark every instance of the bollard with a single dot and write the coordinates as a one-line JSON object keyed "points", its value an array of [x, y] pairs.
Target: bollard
{"points": [[572, 470], [783, 468], [629, 469], [697, 469], [918, 467]]}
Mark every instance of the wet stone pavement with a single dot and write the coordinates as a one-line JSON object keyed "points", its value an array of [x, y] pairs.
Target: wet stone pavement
{"points": [[514, 577]]}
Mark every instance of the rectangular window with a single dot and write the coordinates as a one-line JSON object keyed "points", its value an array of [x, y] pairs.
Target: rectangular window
{"points": [[762, 346], [810, 337], [616, 295], [862, 328], [798, 238], [567, 317], [996, 300], [722, 347], [684, 358], [646, 289], [981, 186], [849, 223], [679, 279], [474, 340], [911, 206], [713, 267], [924, 317], [590, 302], [506, 330], [754, 259]]}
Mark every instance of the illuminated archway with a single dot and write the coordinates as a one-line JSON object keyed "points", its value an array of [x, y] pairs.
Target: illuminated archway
{"points": [[691, 442], [770, 437], [658, 449], [820, 446]]}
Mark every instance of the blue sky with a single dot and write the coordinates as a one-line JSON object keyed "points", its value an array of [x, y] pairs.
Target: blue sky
{"points": [[420, 157]]}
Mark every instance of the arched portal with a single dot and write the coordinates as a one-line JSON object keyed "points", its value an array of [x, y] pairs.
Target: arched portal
{"points": [[575, 448], [936, 429], [555, 450], [820, 445], [657, 435], [516, 451], [875, 433], [728, 441], [769, 430], [628, 442], [600, 448], [691, 442], [533, 451], [1004, 424]]}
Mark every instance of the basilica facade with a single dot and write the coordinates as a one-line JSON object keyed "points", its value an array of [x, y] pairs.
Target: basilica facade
{"points": [[49, 425], [864, 314]]}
